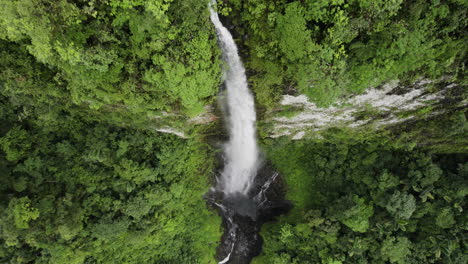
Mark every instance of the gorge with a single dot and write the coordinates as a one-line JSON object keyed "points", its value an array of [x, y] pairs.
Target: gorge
{"points": [[240, 197], [280, 132]]}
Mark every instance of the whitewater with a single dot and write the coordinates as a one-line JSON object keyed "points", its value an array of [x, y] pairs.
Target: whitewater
{"points": [[241, 151]]}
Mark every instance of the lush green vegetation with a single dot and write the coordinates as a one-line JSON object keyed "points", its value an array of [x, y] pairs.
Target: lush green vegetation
{"points": [[328, 48], [144, 56], [364, 199], [84, 177], [445, 133], [80, 191]]}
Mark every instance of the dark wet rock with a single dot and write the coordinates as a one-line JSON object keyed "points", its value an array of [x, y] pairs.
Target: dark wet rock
{"points": [[243, 215], [242, 205]]}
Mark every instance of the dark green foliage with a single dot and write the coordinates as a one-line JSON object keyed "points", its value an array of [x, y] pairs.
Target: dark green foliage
{"points": [[15, 143], [367, 199], [445, 133]]}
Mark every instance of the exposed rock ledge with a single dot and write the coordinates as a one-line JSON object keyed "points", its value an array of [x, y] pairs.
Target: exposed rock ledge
{"points": [[378, 107], [171, 130], [207, 116]]}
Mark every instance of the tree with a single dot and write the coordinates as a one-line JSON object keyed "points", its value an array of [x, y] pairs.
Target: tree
{"points": [[401, 205], [21, 212], [15, 143], [396, 249], [445, 218], [353, 212]]}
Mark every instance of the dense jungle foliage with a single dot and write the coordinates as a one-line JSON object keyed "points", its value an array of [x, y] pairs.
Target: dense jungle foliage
{"points": [[80, 191], [329, 48], [84, 177], [143, 56], [368, 200]]}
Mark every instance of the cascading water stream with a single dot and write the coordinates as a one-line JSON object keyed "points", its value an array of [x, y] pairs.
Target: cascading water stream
{"points": [[243, 199], [241, 151]]}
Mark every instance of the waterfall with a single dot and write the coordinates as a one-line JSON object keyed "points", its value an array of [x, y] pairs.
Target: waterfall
{"points": [[246, 195], [241, 151]]}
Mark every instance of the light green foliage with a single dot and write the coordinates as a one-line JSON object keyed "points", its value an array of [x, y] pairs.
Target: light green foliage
{"points": [[396, 249], [79, 80], [401, 205], [353, 212], [293, 36], [137, 55], [445, 218], [290, 111], [387, 180], [329, 48], [21, 211]]}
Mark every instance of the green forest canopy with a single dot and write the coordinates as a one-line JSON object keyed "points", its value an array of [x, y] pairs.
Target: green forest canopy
{"points": [[85, 179], [329, 48], [367, 200]]}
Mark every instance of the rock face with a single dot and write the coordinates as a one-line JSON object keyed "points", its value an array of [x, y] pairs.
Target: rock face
{"points": [[170, 130], [243, 216], [378, 107], [297, 117]]}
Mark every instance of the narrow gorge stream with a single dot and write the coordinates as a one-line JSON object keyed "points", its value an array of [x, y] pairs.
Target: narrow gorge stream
{"points": [[247, 193]]}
